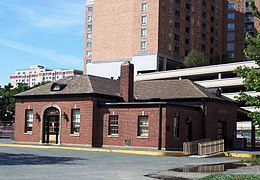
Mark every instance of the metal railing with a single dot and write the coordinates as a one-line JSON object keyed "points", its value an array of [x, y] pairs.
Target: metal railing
{"points": [[211, 147], [191, 147], [7, 132]]}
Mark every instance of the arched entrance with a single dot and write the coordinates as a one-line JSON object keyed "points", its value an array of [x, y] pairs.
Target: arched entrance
{"points": [[51, 125]]}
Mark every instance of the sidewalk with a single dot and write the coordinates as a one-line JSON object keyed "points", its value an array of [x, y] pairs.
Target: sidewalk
{"points": [[127, 150]]}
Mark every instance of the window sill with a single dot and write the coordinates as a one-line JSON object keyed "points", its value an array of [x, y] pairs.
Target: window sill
{"points": [[142, 137], [28, 133], [112, 136], [176, 138], [74, 135]]}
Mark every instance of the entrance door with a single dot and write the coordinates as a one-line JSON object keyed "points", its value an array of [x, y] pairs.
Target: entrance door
{"points": [[51, 126], [222, 131]]}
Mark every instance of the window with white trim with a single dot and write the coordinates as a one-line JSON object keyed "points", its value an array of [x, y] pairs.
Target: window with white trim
{"points": [[75, 121], [113, 125], [143, 126], [28, 120]]}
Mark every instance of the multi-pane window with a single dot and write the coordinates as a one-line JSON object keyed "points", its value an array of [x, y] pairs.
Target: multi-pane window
{"points": [[143, 126], [90, 9], [89, 44], [143, 45], [113, 125], [89, 53], [144, 19], [29, 120], [144, 7], [89, 18], [231, 26], [231, 6], [90, 27], [230, 46], [231, 16], [176, 127], [231, 36], [75, 121], [89, 35], [143, 32]]}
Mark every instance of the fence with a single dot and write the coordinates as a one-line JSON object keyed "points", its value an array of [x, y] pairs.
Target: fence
{"points": [[191, 147], [7, 132], [211, 147]]}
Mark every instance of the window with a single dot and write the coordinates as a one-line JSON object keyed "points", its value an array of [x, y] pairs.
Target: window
{"points": [[144, 7], [231, 36], [90, 9], [230, 47], [231, 16], [143, 45], [113, 125], [89, 35], [75, 124], [90, 27], [144, 19], [176, 127], [28, 120], [231, 26], [143, 32], [231, 6], [143, 126], [89, 44], [89, 18], [89, 53]]}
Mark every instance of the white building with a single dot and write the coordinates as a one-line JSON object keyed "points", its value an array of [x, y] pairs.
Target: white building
{"points": [[37, 74]]}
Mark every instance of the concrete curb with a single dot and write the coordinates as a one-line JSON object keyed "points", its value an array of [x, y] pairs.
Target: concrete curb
{"points": [[241, 155], [140, 152]]}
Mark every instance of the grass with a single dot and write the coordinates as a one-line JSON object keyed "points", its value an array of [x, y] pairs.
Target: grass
{"points": [[231, 177]]}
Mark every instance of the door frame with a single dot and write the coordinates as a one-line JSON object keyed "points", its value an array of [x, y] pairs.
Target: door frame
{"points": [[45, 117]]}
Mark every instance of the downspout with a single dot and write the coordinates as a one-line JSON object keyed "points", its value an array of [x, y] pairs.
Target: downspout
{"points": [[160, 128], [203, 120]]}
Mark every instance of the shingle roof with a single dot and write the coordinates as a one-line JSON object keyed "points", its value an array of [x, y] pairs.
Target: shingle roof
{"points": [[170, 89], [143, 90], [78, 85]]}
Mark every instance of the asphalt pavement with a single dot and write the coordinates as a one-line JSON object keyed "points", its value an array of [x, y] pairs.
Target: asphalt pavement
{"points": [[36, 163]]}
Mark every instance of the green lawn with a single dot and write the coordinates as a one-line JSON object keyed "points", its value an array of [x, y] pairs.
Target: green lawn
{"points": [[231, 177]]}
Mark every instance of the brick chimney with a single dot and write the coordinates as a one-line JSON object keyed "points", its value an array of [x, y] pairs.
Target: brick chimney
{"points": [[127, 81]]}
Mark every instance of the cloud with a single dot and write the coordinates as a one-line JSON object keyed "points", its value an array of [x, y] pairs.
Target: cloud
{"points": [[43, 53], [48, 14]]}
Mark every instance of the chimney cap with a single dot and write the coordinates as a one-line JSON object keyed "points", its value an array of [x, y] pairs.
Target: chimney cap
{"points": [[126, 63]]}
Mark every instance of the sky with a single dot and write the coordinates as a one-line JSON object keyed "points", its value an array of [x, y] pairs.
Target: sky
{"points": [[48, 33]]}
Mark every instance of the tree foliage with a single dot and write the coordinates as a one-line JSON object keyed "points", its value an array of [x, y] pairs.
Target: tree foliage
{"points": [[251, 75], [194, 58], [7, 101]]}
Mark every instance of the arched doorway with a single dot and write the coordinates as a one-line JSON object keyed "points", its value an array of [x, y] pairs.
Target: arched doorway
{"points": [[51, 125]]}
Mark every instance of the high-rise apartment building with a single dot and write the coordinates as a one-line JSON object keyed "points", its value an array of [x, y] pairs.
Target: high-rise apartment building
{"points": [[37, 74], [156, 35], [238, 20]]}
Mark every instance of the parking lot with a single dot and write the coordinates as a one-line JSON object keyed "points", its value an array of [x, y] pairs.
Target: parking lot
{"points": [[34, 163]]}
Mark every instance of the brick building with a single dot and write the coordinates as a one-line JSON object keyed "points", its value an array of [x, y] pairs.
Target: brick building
{"points": [[156, 35], [96, 111]]}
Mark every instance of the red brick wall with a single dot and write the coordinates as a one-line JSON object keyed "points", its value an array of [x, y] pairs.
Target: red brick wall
{"points": [[220, 112], [86, 120], [128, 123], [183, 113]]}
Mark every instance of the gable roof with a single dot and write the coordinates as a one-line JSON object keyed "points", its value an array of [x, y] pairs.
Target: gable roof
{"points": [[171, 89], [78, 84]]}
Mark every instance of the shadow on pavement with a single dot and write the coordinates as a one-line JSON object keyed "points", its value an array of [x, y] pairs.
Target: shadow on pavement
{"points": [[30, 159]]}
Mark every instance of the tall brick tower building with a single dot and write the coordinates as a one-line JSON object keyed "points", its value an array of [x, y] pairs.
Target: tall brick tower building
{"points": [[156, 35]]}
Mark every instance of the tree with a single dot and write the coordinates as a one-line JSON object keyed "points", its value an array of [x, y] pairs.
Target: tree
{"points": [[251, 75], [7, 101], [194, 58]]}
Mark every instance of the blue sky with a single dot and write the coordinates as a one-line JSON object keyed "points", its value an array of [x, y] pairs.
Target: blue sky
{"points": [[34, 32]]}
